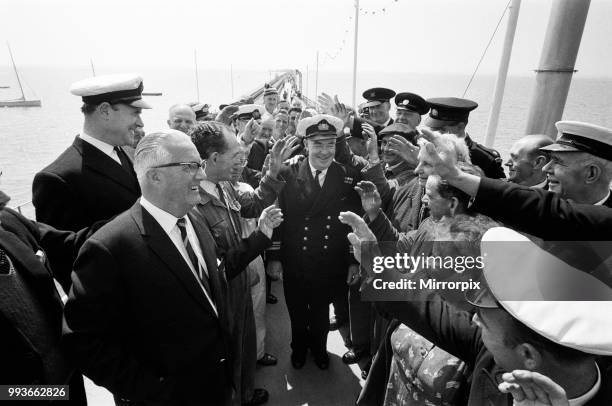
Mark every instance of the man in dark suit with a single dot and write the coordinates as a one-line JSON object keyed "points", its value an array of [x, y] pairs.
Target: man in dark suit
{"points": [[31, 255], [580, 168], [450, 115], [526, 161], [94, 179], [146, 316], [312, 245]]}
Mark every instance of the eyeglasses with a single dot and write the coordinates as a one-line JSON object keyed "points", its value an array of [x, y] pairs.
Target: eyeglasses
{"points": [[192, 166]]}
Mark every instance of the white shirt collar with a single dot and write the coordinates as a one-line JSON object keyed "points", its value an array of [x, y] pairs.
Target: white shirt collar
{"points": [[540, 185], [101, 145], [601, 202], [313, 170], [166, 220]]}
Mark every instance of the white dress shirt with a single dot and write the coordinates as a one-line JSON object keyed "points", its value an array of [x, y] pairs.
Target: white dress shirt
{"points": [[322, 175], [168, 223], [101, 145], [601, 202]]}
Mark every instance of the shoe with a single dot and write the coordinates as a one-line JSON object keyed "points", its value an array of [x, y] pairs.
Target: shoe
{"points": [[333, 324], [364, 375], [322, 361], [298, 359], [366, 371], [270, 298], [352, 357], [267, 360], [260, 396]]}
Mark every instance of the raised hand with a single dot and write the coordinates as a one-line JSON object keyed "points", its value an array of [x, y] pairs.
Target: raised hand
{"points": [[368, 130], [270, 218], [325, 103], [277, 156], [292, 144], [225, 115], [438, 157], [530, 388], [358, 225], [250, 132], [370, 198], [405, 149]]}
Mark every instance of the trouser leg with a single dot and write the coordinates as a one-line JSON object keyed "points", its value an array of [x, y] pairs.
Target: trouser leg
{"points": [[297, 306], [258, 295]]}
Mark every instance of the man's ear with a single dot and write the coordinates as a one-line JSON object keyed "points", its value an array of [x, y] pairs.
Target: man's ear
{"points": [[105, 110], [593, 173], [461, 126], [153, 176], [529, 356], [454, 204], [540, 162]]}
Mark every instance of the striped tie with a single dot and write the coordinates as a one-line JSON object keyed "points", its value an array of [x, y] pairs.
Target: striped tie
{"points": [[181, 223]]}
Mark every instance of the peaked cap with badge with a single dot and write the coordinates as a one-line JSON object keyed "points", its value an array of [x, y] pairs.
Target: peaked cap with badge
{"points": [[320, 125], [249, 111], [576, 136], [114, 89], [377, 96], [411, 102], [448, 110], [403, 130]]}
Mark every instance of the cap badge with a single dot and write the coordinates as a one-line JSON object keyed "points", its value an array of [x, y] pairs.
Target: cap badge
{"points": [[406, 102], [323, 126], [434, 112], [372, 94]]}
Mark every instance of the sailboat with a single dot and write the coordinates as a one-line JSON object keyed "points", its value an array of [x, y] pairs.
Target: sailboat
{"points": [[21, 101]]}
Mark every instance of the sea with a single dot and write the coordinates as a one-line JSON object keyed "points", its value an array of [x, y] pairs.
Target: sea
{"points": [[31, 138]]}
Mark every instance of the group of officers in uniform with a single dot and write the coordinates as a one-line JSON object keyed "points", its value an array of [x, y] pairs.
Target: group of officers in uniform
{"points": [[157, 255]]}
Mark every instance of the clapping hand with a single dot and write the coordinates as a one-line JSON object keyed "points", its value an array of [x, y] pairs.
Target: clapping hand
{"points": [[368, 130], [405, 149], [274, 158], [251, 130], [361, 234], [530, 388], [370, 198], [270, 218]]}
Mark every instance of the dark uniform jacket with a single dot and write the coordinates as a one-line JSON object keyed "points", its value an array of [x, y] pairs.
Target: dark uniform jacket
{"points": [[452, 329], [485, 158], [311, 239], [542, 213], [137, 320], [82, 186], [30, 305]]}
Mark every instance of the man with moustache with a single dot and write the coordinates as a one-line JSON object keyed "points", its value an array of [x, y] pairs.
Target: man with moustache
{"points": [[220, 209], [580, 168], [527, 160], [312, 250], [94, 179], [181, 118], [146, 316]]}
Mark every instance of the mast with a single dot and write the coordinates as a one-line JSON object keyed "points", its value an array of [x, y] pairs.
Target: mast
{"points": [[92, 67], [502, 73], [554, 75], [355, 53], [317, 78], [16, 73], [232, 79], [195, 60]]}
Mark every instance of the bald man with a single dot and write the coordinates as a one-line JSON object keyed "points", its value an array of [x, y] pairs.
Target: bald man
{"points": [[181, 117], [526, 161]]}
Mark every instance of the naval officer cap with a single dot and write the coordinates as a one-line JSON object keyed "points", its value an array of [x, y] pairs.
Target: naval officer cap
{"points": [[411, 102], [113, 89], [201, 110], [560, 290], [403, 130], [576, 136], [377, 95], [448, 110], [322, 126], [270, 91], [249, 111]]}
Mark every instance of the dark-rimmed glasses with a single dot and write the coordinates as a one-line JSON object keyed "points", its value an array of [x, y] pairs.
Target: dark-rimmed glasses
{"points": [[192, 166]]}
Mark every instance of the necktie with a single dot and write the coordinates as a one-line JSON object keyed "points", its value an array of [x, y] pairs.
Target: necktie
{"points": [[317, 183], [181, 223], [5, 263], [125, 161]]}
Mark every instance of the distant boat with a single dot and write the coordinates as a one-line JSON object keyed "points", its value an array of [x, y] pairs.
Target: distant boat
{"points": [[4, 87], [21, 101], [151, 93]]}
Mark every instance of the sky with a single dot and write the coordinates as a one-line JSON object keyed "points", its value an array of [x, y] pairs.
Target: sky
{"points": [[420, 36]]}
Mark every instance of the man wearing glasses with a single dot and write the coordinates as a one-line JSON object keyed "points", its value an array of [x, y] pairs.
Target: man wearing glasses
{"points": [[94, 179], [147, 316]]}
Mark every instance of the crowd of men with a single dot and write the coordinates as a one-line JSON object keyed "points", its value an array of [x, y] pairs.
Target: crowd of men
{"points": [[166, 245]]}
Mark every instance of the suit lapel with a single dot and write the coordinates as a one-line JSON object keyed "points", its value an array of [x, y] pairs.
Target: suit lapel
{"points": [[101, 163], [166, 251], [304, 180]]}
